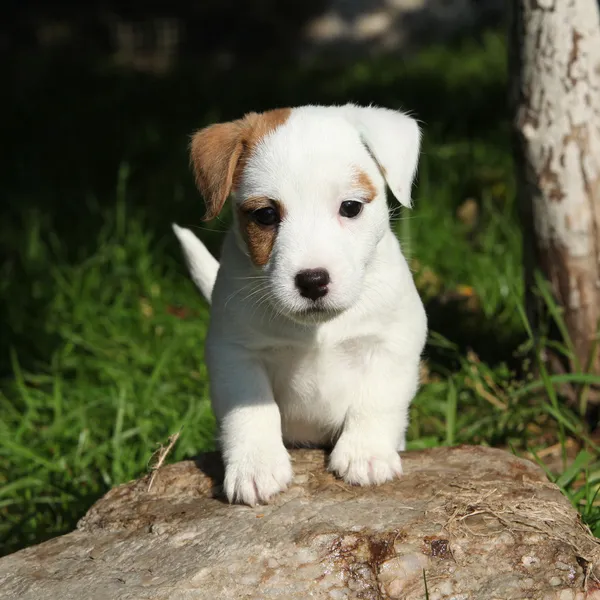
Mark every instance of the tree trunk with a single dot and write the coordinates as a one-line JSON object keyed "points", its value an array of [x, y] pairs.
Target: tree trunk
{"points": [[555, 60]]}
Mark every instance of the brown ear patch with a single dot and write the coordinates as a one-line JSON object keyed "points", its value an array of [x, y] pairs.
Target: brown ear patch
{"points": [[259, 239], [218, 154], [365, 184], [214, 154]]}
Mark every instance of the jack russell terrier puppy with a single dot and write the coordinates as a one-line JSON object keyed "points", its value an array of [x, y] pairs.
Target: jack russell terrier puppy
{"points": [[316, 327]]}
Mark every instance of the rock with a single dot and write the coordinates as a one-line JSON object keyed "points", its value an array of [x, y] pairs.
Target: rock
{"points": [[474, 523]]}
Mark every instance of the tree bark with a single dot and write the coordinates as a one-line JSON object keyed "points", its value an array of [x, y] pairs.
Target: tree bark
{"points": [[554, 48]]}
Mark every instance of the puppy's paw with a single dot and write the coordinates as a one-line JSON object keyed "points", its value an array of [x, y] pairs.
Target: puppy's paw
{"points": [[254, 475], [358, 463]]}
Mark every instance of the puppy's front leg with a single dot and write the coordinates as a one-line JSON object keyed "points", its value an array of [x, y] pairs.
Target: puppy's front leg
{"points": [[375, 425], [257, 465]]}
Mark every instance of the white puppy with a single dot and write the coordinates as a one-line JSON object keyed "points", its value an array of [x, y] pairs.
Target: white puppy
{"points": [[316, 326]]}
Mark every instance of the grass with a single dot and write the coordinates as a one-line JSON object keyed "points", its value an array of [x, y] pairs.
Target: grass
{"points": [[101, 345], [126, 372]]}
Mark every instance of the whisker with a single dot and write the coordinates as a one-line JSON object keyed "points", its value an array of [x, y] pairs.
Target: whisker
{"points": [[255, 292], [201, 228], [253, 278], [236, 292]]}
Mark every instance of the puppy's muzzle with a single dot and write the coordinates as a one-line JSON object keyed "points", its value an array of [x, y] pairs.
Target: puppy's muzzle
{"points": [[312, 283]]}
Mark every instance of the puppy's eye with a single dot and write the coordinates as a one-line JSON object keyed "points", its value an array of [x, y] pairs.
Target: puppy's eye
{"points": [[351, 208], [267, 216]]}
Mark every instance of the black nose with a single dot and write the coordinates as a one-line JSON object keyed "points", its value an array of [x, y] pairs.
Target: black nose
{"points": [[312, 283]]}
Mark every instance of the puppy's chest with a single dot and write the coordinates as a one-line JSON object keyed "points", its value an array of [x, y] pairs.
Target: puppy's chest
{"points": [[316, 383]]}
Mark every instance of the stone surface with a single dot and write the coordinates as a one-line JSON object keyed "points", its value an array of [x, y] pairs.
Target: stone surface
{"points": [[480, 523]]}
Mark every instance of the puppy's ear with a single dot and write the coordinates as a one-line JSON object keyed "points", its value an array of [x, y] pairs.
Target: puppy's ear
{"points": [[214, 155], [394, 140]]}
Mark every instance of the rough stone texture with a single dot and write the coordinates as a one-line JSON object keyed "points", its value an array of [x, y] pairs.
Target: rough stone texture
{"points": [[482, 524]]}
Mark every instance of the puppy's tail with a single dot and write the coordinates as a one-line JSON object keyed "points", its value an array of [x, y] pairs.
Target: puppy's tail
{"points": [[203, 266]]}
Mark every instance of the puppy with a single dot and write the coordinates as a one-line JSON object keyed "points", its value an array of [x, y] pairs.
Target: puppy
{"points": [[316, 327]]}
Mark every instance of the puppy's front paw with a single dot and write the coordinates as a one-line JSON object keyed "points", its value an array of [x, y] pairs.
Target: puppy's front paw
{"points": [[254, 475], [360, 463]]}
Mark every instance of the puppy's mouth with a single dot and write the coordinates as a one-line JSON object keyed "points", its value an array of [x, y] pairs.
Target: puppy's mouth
{"points": [[313, 309], [315, 313]]}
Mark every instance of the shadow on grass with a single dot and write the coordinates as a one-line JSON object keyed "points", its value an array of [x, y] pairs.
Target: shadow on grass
{"points": [[470, 331], [74, 122]]}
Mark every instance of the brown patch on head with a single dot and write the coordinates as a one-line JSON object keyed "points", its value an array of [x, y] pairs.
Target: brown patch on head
{"points": [[260, 239], [258, 126], [365, 184], [218, 154]]}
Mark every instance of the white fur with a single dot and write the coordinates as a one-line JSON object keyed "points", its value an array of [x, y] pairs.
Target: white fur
{"points": [[343, 378], [202, 264]]}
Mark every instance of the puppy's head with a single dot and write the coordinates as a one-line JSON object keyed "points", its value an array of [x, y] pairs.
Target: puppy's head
{"points": [[309, 189]]}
